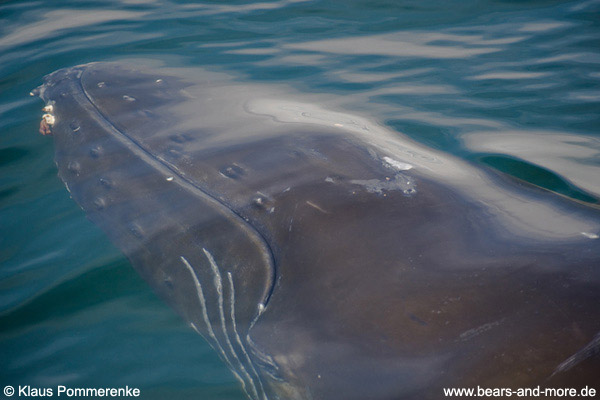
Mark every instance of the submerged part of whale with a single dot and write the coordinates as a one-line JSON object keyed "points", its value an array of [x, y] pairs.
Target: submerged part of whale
{"points": [[321, 257]]}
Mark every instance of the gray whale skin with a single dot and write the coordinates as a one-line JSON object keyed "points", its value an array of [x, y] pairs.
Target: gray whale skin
{"points": [[316, 265]]}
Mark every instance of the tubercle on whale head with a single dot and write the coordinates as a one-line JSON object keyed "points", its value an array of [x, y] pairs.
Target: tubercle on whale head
{"points": [[46, 93], [46, 124], [48, 118]]}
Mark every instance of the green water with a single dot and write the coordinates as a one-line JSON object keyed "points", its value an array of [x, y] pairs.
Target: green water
{"points": [[510, 86]]}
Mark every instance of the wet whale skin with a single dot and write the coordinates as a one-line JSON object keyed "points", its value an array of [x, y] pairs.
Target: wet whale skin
{"points": [[313, 266]]}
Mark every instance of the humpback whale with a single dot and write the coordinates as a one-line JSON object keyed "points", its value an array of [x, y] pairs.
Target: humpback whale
{"points": [[321, 257]]}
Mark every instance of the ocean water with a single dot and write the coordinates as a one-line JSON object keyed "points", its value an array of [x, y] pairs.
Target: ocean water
{"points": [[509, 86]]}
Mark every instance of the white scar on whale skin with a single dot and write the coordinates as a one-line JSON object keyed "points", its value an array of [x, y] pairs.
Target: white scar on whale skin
{"points": [[216, 345], [237, 336], [399, 165], [218, 281]]}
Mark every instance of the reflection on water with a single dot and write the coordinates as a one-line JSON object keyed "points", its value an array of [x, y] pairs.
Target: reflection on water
{"points": [[509, 86], [573, 157], [53, 22], [415, 44]]}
